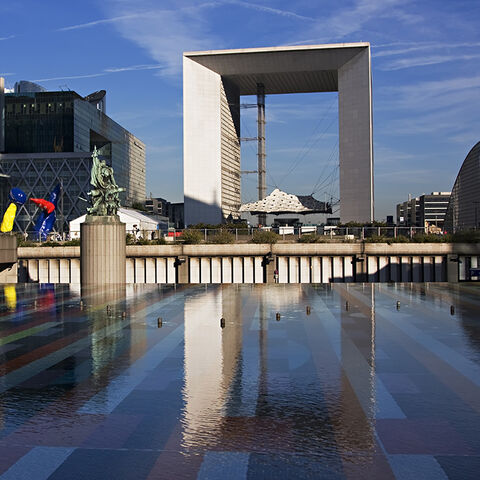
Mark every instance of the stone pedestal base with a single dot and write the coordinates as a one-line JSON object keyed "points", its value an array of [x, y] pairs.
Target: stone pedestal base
{"points": [[102, 251], [8, 258]]}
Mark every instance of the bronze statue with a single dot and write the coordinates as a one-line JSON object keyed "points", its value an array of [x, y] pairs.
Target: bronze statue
{"points": [[105, 200]]}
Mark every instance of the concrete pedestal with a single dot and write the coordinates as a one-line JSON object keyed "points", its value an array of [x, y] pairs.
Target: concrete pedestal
{"points": [[8, 258], [102, 251]]}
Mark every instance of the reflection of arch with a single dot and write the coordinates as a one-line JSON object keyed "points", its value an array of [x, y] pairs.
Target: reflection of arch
{"points": [[464, 208]]}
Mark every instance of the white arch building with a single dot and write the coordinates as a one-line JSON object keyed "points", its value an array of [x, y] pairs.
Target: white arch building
{"points": [[213, 82]]}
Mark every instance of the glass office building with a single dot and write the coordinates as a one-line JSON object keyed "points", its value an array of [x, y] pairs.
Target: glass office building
{"points": [[464, 207], [48, 138]]}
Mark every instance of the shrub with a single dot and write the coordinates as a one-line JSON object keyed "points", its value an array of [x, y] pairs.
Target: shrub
{"points": [[466, 236], [72, 243], [143, 241], [374, 238], [311, 238], [428, 238], [159, 241], [191, 236], [265, 236], [223, 236], [399, 239], [130, 239]]}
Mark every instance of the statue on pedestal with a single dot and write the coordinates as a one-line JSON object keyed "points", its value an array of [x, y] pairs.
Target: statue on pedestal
{"points": [[105, 200]]}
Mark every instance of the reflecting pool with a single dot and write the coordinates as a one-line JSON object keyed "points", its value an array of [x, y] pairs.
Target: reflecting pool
{"points": [[341, 381]]}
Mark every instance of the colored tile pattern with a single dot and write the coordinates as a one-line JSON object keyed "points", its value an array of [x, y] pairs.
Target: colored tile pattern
{"points": [[370, 381]]}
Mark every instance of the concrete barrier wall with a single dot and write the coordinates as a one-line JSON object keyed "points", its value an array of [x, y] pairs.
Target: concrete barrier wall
{"points": [[295, 263]]}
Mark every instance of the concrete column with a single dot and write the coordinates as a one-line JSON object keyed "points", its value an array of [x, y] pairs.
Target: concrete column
{"points": [[270, 265], [356, 138], [452, 268], [360, 269], [182, 266], [102, 251]]}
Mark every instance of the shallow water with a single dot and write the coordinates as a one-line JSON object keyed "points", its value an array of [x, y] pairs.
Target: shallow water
{"points": [[348, 381]]}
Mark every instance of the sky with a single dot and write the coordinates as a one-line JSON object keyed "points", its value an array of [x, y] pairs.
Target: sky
{"points": [[425, 68]]}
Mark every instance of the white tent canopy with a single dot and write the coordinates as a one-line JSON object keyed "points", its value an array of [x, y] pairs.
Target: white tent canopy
{"points": [[135, 221], [281, 202]]}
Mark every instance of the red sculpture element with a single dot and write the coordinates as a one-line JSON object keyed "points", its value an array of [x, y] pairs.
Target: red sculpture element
{"points": [[49, 207]]}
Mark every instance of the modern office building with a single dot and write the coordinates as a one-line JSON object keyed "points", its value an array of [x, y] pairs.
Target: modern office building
{"points": [[214, 81], [422, 211], [464, 207], [47, 138]]}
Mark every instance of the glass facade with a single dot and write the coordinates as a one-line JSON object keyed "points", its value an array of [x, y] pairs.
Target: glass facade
{"points": [[39, 122], [49, 137], [464, 207]]}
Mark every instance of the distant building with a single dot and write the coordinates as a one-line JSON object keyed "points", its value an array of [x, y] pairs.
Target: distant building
{"points": [[160, 206], [423, 210], [157, 206], [464, 208], [47, 138]]}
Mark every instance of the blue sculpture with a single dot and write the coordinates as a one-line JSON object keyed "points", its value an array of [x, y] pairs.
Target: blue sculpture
{"points": [[46, 221]]}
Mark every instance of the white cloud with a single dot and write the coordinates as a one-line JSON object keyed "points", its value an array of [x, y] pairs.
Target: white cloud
{"points": [[431, 95], [418, 46], [165, 33], [104, 72], [262, 8], [411, 62], [69, 77], [133, 68], [352, 19], [101, 22]]}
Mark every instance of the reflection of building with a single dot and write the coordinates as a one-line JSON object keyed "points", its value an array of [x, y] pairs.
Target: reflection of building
{"points": [[464, 208], [211, 360], [47, 139], [415, 212]]}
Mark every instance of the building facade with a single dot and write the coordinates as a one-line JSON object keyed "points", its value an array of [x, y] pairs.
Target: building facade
{"points": [[422, 211], [48, 138], [213, 83], [173, 211], [464, 207]]}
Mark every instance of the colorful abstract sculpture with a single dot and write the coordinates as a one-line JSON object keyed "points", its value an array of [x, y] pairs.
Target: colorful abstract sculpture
{"points": [[19, 197], [47, 206], [46, 219]]}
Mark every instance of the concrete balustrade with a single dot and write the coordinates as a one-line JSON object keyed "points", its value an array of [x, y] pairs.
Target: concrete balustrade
{"points": [[250, 263]]}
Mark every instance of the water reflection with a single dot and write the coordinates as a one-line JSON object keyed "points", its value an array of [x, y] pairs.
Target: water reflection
{"points": [[346, 387]]}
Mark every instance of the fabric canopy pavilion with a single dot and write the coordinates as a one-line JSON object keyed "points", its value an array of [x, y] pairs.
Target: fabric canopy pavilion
{"points": [[279, 202]]}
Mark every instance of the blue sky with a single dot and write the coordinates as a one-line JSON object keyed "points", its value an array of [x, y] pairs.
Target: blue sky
{"points": [[426, 80]]}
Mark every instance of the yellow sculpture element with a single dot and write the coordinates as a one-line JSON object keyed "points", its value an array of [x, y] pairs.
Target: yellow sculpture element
{"points": [[8, 218], [10, 296]]}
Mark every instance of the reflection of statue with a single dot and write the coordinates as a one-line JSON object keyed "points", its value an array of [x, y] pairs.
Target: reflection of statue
{"points": [[105, 199]]}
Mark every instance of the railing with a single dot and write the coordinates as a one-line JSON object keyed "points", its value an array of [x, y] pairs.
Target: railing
{"points": [[245, 235], [293, 233]]}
